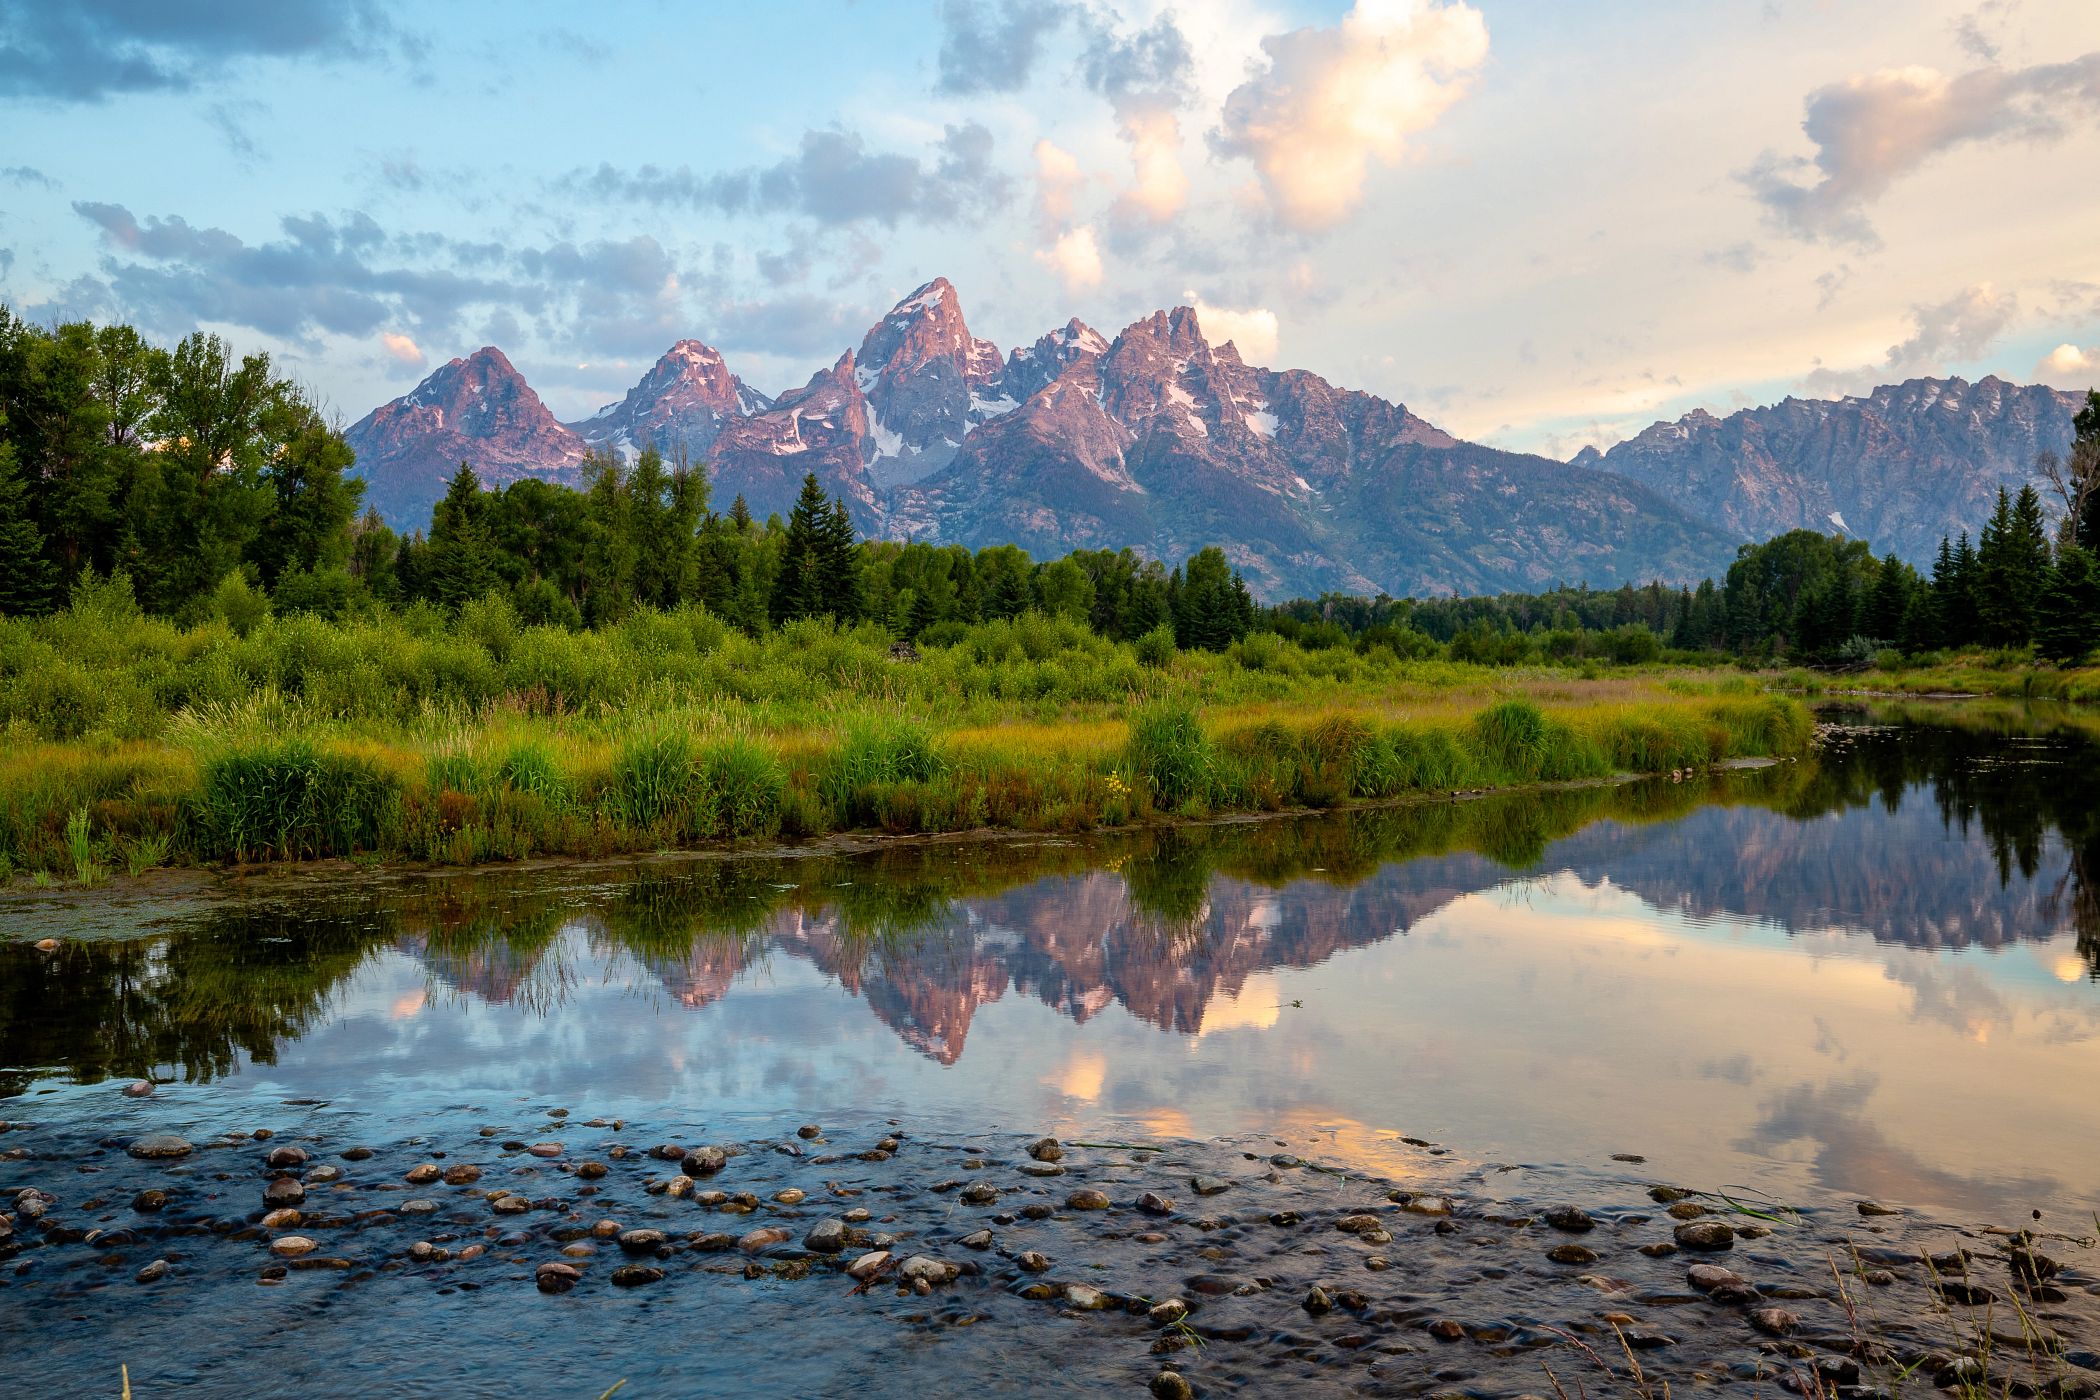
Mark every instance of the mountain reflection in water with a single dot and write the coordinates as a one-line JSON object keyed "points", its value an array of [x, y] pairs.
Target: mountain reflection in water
{"points": [[1834, 971]]}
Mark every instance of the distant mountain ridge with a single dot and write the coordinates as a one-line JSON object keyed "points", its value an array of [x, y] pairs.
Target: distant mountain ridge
{"points": [[1901, 467], [1156, 440]]}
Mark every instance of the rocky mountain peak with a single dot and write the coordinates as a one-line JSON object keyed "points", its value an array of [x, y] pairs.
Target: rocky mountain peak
{"points": [[678, 407], [928, 381], [477, 410]]}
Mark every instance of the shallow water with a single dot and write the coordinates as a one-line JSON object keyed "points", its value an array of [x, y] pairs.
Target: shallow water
{"points": [[1874, 973], [1862, 973]]}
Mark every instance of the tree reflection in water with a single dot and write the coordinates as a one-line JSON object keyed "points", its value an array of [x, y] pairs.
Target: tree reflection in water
{"points": [[1160, 921]]}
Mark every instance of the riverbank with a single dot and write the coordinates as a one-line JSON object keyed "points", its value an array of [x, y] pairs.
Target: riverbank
{"points": [[274, 780], [876, 1258]]}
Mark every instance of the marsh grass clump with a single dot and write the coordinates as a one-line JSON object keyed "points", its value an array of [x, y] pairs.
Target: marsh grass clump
{"points": [[654, 778], [745, 787], [877, 755], [1169, 751], [292, 801]]}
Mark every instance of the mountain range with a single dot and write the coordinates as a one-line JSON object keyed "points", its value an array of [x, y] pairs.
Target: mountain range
{"points": [[1163, 442]]}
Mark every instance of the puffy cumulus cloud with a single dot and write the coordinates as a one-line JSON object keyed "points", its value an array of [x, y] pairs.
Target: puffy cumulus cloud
{"points": [[1252, 331], [1329, 101], [1870, 131], [993, 48], [1075, 257], [1147, 77], [401, 349], [1961, 328], [833, 178], [2070, 366], [1057, 180], [86, 50], [1159, 186]]}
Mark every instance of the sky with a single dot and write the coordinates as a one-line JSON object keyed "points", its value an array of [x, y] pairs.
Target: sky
{"points": [[1540, 225]]}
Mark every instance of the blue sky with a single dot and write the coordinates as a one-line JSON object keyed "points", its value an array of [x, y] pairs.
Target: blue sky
{"points": [[1538, 224]]}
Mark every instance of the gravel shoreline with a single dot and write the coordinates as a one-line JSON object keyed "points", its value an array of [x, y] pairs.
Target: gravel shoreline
{"points": [[1182, 1268]]}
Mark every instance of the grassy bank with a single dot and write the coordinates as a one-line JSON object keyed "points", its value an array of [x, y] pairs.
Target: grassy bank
{"points": [[2012, 675], [133, 743]]}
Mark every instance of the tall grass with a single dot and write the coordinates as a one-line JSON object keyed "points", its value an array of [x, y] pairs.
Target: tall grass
{"points": [[480, 738], [292, 800]]}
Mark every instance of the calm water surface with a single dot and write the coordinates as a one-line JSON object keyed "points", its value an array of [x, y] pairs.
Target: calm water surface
{"points": [[1873, 972]]}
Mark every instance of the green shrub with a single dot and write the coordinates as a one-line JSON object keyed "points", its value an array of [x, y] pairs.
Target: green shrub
{"points": [[1156, 648], [528, 768]]}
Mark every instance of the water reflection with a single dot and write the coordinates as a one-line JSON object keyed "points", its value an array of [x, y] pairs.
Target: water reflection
{"points": [[1832, 970]]}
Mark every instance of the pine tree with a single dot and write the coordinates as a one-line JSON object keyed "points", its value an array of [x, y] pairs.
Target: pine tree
{"points": [[26, 575], [740, 514], [1958, 606], [839, 551], [1889, 600], [2010, 567], [798, 590], [460, 565], [2067, 610]]}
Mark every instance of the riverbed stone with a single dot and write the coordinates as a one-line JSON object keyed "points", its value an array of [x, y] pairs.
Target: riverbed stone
{"points": [[1572, 1254], [281, 1219], [1775, 1322], [764, 1238], [462, 1174], [284, 1191], [868, 1265], [703, 1161], [1047, 1149], [928, 1268], [557, 1277], [285, 1158], [636, 1275], [1087, 1199], [1172, 1385], [292, 1246], [1034, 1261], [160, 1147], [1152, 1203], [1083, 1297], [826, 1237], [1573, 1219], [422, 1174], [1706, 1236], [641, 1241], [154, 1272]]}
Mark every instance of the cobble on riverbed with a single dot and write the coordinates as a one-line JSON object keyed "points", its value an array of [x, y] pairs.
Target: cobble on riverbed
{"points": [[545, 1254]]}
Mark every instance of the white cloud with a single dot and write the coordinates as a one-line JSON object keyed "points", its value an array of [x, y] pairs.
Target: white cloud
{"points": [[1252, 331], [1161, 186], [1057, 180], [1872, 129], [1330, 100], [2070, 367], [401, 348], [1943, 334], [1075, 258]]}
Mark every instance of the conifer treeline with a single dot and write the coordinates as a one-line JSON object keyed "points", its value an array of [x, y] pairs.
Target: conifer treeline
{"points": [[204, 476]]}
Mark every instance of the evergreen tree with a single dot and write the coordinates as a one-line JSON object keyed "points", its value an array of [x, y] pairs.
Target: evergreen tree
{"points": [[2067, 610], [2010, 565], [740, 514], [25, 574], [798, 589], [459, 568], [838, 552], [1889, 601]]}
